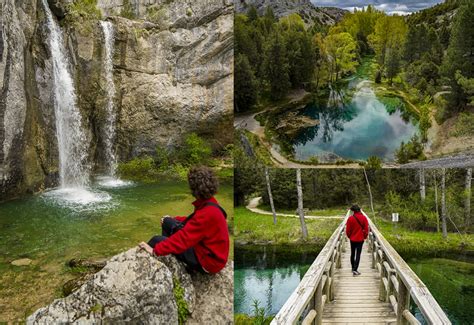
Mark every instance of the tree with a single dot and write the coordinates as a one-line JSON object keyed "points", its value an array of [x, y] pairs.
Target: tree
{"points": [[389, 33], [422, 184], [299, 190], [467, 199], [245, 90], [341, 49], [393, 63], [460, 53], [443, 203], [276, 67], [370, 194], [252, 13], [436, 199], [269, 189]]}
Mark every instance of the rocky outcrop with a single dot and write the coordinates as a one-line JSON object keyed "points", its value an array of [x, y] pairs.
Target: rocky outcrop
{"points": [[305, 8], [135, 287], [173, 65]]}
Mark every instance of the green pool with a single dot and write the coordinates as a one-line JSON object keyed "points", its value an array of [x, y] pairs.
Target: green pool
{"points": [[58, 225]]}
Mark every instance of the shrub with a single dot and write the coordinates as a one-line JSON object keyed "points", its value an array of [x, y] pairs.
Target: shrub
{"points": [[464, 125], [127, 10], [374, 162], [409, 151], [195, 150], [139, 169], [157, 16], [82, 13], [162, 158]]}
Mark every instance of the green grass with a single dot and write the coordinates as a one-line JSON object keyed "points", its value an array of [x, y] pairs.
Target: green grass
{"points": [[253, 228], [411, 243]]}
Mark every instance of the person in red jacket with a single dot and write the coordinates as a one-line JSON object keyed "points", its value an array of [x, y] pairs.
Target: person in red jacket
{"points": [[200, 240], [357, 229]]}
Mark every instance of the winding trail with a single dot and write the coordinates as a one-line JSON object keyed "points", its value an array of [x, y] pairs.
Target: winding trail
{"points": [[253, 206]]}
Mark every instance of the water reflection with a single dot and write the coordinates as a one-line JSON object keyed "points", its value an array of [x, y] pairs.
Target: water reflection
{"points": [[269, 275], [362, 128]]}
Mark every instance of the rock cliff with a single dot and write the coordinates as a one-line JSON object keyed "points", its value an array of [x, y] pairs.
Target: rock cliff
{"points": [[310, 13], [173, 64], [135, 287]]}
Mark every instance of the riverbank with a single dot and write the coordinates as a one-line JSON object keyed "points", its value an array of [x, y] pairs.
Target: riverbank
{"points": [[252, 228], [49, 232]]}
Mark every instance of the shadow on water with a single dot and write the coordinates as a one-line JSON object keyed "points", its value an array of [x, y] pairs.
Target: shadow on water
{"points": [[268, 274]]}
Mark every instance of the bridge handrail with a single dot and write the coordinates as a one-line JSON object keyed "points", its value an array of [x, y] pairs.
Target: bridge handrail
{"points": [[397, 286], [317, 279], [399, 282]]}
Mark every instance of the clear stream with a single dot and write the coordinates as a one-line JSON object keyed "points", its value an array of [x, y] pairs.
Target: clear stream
{"points": [[358, 128], [260, 276], [56, 226]]}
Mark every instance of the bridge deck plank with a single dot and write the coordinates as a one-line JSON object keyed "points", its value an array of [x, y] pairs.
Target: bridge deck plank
{"points": [[356, 297]]}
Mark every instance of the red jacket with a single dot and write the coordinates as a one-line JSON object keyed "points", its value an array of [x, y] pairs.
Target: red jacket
{"points": [[354, 230], [206, 231]]}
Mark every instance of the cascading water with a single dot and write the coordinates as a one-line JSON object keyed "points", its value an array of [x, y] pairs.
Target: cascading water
{"points": [[72, 142], [74, 170], [110, 120], [109, 130]]}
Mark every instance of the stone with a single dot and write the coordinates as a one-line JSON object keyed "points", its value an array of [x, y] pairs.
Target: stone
{"points": [[135, 287], [21, 262]]}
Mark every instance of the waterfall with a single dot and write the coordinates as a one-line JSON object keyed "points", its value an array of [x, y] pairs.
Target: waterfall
{"points": [[109, 128], [72, 142]]}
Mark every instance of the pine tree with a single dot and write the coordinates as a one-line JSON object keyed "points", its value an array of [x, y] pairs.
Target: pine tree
{"points": [[245, 91], [460, 54], [276, 67]]}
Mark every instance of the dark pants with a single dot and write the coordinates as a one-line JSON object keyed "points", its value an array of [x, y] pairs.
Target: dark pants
{"points": [[188, 257], [356, 249]]}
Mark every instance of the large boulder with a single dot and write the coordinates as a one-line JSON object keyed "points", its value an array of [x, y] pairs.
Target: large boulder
{"points": [[135, 287]]}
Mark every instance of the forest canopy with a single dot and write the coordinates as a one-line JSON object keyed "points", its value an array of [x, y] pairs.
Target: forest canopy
{"points": [[429, 53]]}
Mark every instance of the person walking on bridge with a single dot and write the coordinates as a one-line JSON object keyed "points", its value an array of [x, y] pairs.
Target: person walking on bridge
{"points": [[357, 229]]}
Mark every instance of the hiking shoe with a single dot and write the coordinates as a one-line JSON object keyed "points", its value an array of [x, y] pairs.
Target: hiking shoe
{"points": [[357, 273], [354, 273]]}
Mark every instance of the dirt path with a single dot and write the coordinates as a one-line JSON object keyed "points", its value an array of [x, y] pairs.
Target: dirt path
{"points": [[253, 206]]}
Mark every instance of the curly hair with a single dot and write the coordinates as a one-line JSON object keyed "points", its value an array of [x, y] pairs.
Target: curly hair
{"points": [[202, 182]]}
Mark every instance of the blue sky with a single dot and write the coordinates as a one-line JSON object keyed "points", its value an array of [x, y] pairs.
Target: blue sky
{"points": [[401, 7]]}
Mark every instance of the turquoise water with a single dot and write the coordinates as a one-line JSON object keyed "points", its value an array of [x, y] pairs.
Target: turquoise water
{"points": [[269, 278], [356, 130], [451, 282], [56, 226]]}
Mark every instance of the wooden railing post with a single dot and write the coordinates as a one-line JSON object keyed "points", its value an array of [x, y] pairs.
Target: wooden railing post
{"points": [[318, 306], [403, 302], [383, 275]]}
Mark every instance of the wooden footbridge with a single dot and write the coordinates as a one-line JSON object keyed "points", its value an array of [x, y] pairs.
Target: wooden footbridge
{"points": [[382, 294]]}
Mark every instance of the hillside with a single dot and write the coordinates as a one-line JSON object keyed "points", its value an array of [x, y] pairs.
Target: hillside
{"points": [[308, 11], [436, 16]]}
